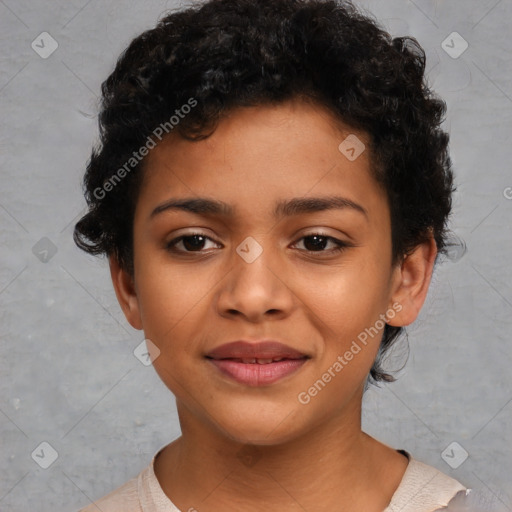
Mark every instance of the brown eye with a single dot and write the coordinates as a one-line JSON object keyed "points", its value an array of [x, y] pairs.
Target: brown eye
{"points": [[193, 242], [317, 242]]}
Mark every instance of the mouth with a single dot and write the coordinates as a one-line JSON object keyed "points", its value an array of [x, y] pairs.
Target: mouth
{"points": [[256, 364], [256, 360]]}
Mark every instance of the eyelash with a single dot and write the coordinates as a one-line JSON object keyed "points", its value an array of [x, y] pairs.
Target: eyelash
{"points": [[340, 246]]}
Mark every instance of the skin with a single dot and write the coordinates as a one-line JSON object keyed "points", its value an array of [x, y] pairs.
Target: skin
{"points": [[304, 456]]}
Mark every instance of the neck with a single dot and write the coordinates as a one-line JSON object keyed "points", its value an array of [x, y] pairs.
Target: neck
{"points": [[332, 465]]}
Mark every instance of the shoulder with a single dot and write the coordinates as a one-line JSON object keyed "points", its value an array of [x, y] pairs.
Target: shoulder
{"points": [[140, 494], [123, 499], [423, 489]]}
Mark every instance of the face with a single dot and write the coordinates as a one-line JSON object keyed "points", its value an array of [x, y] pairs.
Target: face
{"points": [[272, 264]]}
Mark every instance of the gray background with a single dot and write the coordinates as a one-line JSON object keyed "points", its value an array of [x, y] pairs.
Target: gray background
{"points": [[68, 373]]}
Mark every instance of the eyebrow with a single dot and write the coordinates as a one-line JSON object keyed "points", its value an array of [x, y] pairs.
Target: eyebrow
{"points": [[287, 208]]}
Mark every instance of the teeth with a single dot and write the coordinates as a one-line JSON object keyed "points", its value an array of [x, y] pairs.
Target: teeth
{"points": [[253, 360]]}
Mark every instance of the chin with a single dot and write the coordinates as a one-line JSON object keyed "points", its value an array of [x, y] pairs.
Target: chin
{"points": [[258, 427]]}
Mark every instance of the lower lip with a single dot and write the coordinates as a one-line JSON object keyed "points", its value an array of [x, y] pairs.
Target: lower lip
{"points": [[254, 374]]}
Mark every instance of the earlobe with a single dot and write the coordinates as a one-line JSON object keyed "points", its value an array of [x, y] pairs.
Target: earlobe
{"points": [[411, 282], [125, 292]]}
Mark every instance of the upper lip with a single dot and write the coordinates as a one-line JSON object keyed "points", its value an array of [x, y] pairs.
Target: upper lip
{"points": [[257, 349]]}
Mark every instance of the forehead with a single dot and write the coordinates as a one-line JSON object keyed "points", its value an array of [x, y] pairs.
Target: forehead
{"points": [[294, 149], [276, 126]]}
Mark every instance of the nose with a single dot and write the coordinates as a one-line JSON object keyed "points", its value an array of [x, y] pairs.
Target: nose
{"points": [[255, 289]]}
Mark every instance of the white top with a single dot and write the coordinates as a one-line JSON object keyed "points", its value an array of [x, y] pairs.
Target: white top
{"points": [[422, 489]]}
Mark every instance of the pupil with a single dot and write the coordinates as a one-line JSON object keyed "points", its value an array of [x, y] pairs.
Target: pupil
{"points": [[191, 246], [316, 244]]}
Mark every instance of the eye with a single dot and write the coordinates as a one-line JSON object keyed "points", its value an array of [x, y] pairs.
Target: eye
{"points": [[316, 242], [192, 242], [313, 243]]}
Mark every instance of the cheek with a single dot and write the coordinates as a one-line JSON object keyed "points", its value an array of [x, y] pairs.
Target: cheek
{"points": [[164, 303], [349, 295], [346, 307], [168, 293]]}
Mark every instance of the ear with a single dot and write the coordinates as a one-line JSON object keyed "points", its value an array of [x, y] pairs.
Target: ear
{"points": [[411, 280], [125, 291]]}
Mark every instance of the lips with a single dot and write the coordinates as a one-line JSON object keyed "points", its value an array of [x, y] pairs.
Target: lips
{"points": [[258, 363], [265, 351]]}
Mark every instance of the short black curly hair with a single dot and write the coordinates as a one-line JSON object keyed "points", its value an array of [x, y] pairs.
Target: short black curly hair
{"points": [[224, 54]]}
